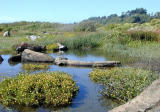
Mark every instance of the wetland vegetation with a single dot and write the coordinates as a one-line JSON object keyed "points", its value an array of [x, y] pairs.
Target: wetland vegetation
{"points": [[133, 36]]}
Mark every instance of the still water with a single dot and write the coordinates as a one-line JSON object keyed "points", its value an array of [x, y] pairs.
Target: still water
{"points": [[88, 98]]}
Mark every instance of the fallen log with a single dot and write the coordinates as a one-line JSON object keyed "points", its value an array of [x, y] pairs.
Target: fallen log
{"points": [[66, 62]]}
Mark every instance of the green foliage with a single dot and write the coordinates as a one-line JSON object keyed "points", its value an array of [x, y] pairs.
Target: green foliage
{"points": [[139, 15], [48, 89], [123, 84], [138, 18]]}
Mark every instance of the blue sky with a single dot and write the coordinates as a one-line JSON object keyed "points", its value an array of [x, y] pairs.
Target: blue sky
{"points": [[68, 11]]}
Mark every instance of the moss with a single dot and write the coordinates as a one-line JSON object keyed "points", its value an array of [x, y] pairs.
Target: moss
{"points": [[52, 46], [48, 89], [123, 84]]}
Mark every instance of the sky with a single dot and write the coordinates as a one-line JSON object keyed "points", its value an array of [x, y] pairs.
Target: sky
{"points": [[68, 11]]}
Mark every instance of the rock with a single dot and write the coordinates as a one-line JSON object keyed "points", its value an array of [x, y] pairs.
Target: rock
{"points": [[16, 58], [59, 59], [33, 37], [1, 59], [147, 101], [6, 34], [62, 47], [32, 56], [20, 48]]}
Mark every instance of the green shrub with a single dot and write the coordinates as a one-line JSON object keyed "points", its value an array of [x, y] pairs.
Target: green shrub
{"points": [[123, 84], [48, 89]]}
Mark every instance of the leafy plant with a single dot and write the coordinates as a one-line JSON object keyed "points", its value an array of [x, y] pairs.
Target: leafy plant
{"points": [[123, 84], [48, 89]]}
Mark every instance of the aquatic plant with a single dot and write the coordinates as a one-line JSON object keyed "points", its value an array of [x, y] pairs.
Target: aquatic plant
{"points": [[123, 84], [32, 67], [48, 89]]}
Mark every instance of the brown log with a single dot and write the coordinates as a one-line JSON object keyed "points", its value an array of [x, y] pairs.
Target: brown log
{"points": [[87, 64]]}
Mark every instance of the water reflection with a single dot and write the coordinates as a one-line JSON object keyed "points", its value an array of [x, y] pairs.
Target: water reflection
{"points": [[88, 96]]}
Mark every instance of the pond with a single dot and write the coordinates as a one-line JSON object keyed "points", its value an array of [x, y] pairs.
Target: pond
{"points": [[88, 98]]}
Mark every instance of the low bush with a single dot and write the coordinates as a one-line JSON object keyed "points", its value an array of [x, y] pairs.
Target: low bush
{"points": [[123, 84], [48, 89]]}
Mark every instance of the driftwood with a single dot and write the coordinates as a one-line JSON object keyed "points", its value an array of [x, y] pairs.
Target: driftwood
{"points": [[65, 62]]}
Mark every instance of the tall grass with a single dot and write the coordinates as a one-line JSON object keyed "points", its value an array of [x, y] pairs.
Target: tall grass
{"points": [[7, 43], [84, 42]]}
